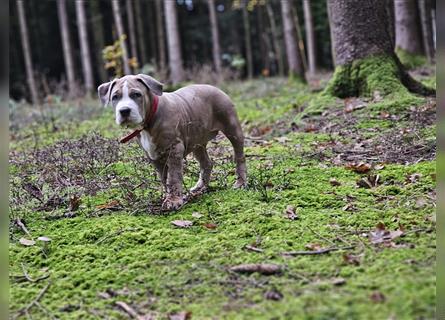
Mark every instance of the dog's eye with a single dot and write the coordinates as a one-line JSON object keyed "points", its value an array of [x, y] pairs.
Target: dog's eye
{"points": [[115, 97], [135, 95]]}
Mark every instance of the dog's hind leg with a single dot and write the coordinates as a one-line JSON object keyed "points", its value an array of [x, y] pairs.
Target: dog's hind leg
{"points": [[205, 165], [234, 133]]}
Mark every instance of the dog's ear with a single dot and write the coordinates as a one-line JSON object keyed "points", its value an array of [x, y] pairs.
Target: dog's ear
{"points": [[104, 92], [152, 84]]}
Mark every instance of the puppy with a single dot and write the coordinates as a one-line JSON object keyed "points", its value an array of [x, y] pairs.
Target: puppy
{"points": [[171, 125]]}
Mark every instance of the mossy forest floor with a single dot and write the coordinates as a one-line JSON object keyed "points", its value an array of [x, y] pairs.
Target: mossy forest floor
{"points": [[357, 176]]}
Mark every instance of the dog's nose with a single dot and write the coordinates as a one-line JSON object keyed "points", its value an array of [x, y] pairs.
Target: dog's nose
{"points": [[125, 112]]}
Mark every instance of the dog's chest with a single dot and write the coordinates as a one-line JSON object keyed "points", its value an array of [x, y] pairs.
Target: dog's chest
{"points": [[148, 145]]}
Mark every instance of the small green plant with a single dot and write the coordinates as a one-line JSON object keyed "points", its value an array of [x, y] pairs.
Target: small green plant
{"points": [[112, 56]]}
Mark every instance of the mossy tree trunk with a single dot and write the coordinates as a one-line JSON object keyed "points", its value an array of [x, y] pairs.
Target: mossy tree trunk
{"points": [[364, 52]]}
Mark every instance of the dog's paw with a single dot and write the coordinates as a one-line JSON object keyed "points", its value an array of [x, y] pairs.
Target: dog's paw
{"points": [[172, 203], [240, 184], [198, 189]]}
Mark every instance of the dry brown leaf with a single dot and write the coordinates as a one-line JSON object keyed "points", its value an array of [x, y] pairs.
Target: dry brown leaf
{"points": [[382, 236], [377, 297], [290, 213], [74, 203], [352, 104], [182, 223], [338, 281], [369, 182], [351, 259], [183, 315], [334, 182], [210, 226], [109, 205], [27, 242], [266, 269], [273, 295], [360, 167], [313, 246]]}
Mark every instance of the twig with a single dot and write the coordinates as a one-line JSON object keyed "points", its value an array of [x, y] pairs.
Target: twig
{"points": [[320, 236], [26, 275], [314, 252], [22, 226], [129, 310], [25, 310]]}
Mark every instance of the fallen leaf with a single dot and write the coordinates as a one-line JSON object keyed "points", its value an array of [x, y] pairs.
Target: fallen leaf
{"points": [[182, 223], [44, 239], [290, 213], [266, 269], [283, 139], [352, 104], [27, 242], [351, 259], [313, 246], [210, 226], [33, 190], [369, 182], [349, 207], [421, 202], [377, 297], [109, 205], [74, 203], [413, 178], [196, 215], [379, 167], [338, 281], [183, 315], [382, 236], [334, 182], [310, 128], [361, 167], [273, 295]]}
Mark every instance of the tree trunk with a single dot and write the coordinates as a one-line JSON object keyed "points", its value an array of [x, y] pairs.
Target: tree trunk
{"points": [[215, 37], [131, 31], [310, 37], [334, 60], [248, 42], [275, 39], [121, 35], [364, 53], [427, 28], [140, 32], [161, 37], [299, 38], [84, 46], [66, 44], [408, 35], [27, 52], [294, 59], [174, 45], [98, 36], [391, 22]]}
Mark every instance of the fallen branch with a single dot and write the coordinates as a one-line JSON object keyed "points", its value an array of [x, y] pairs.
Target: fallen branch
{"points": [[25, 310], [266, 269], [129, 310], [27, 276], [314, 252], [22, 226]]}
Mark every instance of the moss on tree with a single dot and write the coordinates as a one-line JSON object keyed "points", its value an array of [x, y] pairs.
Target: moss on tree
{"points": [[409, 60], [379, 73]]}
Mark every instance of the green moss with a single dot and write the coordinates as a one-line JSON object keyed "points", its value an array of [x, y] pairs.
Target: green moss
{"points": [[364, 77], [410, 60]]}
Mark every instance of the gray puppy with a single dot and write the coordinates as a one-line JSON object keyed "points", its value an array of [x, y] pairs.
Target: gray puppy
{"points": [[171, 125]]}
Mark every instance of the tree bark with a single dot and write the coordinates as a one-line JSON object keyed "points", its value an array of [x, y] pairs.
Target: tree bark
{"points": [[160, 34], [121, 35], [215, 37], [391, 22], [408, 35], [275, 39], [310, 37], [248, 42], [84, 46], [27, 53], [140, 31], [294, 58], [98, 36], [364, 52], [66, 44], [131, 30], [174, 45], [427, 28]]}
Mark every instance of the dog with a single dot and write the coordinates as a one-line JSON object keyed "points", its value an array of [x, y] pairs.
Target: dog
{"points": [[170, 125]]}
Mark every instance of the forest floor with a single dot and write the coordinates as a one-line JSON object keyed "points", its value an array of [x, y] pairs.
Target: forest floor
{"points": [[341, 201]]}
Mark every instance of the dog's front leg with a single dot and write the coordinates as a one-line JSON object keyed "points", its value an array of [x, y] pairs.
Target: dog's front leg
{"points": [[173, 200]]}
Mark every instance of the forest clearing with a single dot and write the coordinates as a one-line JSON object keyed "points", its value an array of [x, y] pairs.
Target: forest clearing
{"points": [[337, 220]]}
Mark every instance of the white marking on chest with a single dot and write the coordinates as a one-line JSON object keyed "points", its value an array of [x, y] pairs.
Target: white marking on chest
{"points": [[148, 145]]}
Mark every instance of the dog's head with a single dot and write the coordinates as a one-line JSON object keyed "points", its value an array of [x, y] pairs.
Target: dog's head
{"points": [[130, 96]]}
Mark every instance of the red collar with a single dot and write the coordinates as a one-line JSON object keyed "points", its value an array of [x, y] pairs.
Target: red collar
{"points": [[150, 116]]}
